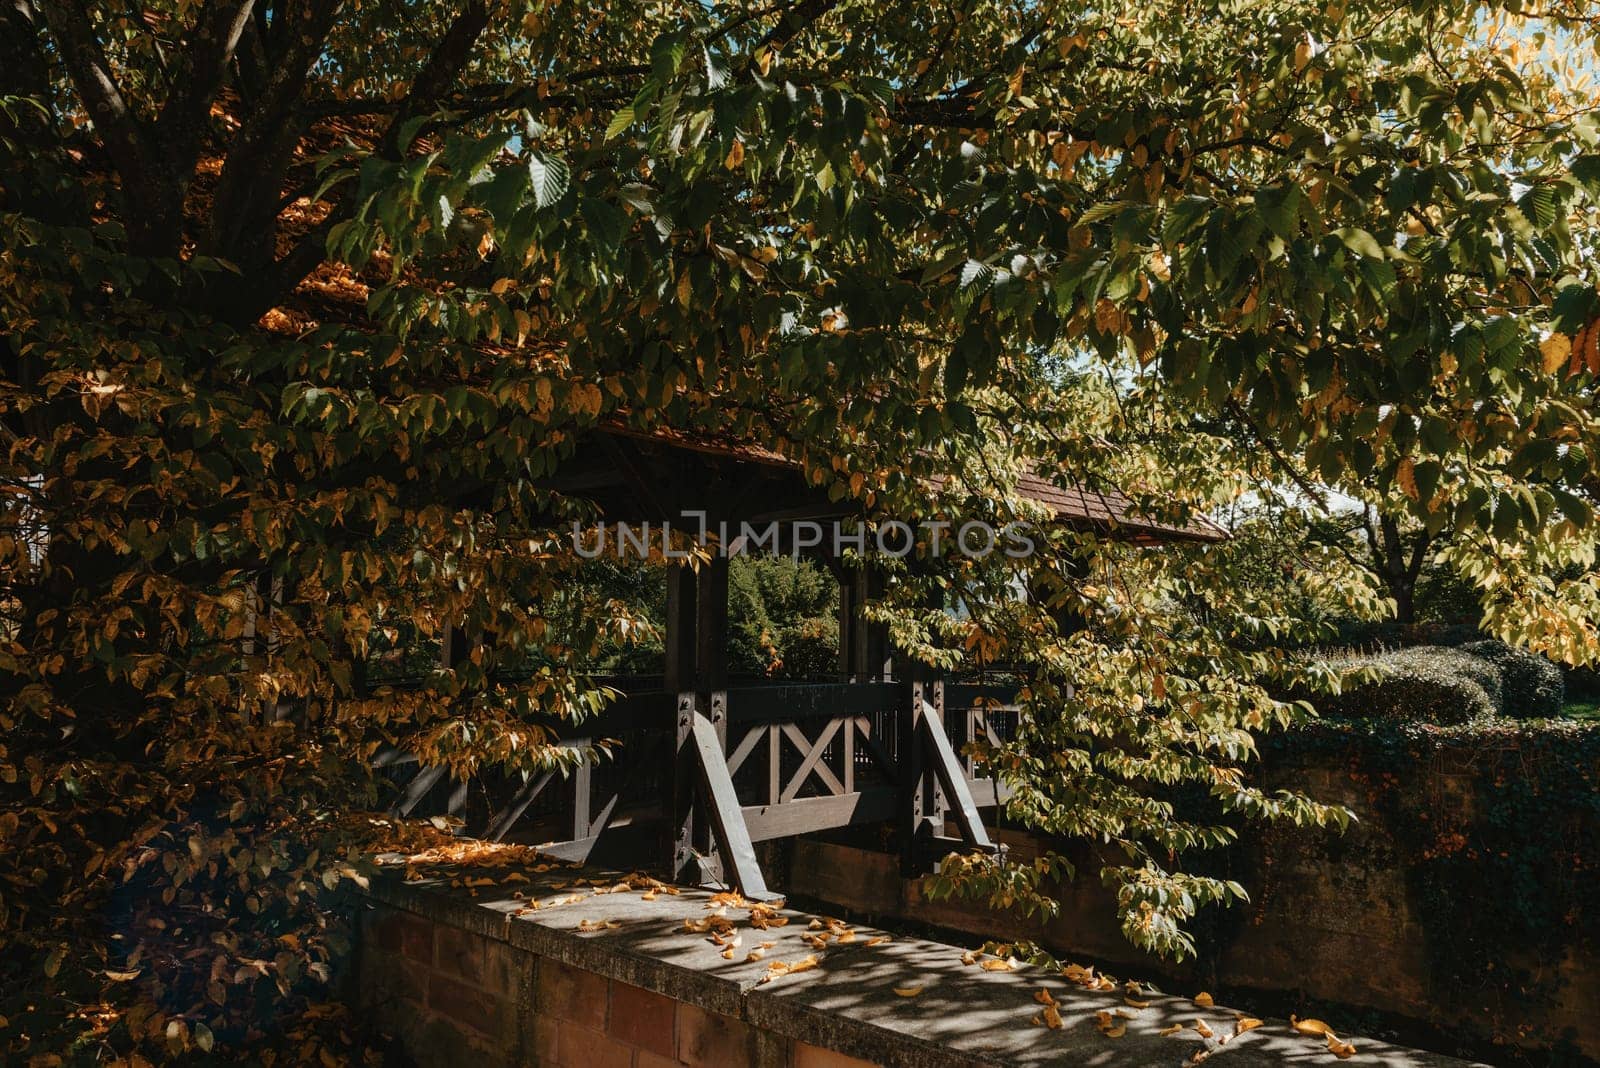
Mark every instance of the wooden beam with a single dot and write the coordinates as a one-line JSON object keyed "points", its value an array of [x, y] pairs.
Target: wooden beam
{"points": [[807, 814], [952, 779], [812, 762], [423, 781], [726, 815], [501, 822], [678, 670], [794, 702]]}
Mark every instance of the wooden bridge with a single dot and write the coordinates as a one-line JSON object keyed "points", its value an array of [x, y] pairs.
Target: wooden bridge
{"points": [[709, 765]]}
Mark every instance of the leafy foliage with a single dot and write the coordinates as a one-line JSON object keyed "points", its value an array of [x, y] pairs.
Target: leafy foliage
{"points": [[1422, 684], [304, 303], [1532, 686]]}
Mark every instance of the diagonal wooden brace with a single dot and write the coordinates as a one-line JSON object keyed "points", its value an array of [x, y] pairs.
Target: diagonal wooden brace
{"points": [[952, 779], [721, 805]]}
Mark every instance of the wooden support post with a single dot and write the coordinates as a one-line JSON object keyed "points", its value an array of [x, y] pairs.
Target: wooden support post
{"points": [[678, 671], [711, 683], [678, 676], [723, 810], [952, 780]]}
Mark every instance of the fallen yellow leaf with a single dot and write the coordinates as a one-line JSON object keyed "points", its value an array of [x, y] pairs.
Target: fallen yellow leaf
{"points": [[1339, 1049], [995, 964], [1200, 1026], [876, 940], [1043, 997], [1052, 1017], [1203, 1000], [1135, 1002], [1174, 1029], [908, 991], [1245, 1023], [1310, 1027], [755, 954]]}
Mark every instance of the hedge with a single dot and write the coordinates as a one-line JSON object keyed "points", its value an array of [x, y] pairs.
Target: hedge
{"points": [[1532, 686], [1446, 686], [1423, 684]]}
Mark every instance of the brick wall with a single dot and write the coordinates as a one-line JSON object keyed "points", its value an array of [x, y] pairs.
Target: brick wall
{"points": [[454, 996], [1334, 919]]}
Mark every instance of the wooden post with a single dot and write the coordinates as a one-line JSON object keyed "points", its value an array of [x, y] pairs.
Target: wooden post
{"points": [[678, 680], [711, 684], [921, 802]]}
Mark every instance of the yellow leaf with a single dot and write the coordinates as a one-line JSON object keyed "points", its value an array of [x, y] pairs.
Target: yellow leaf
{"points": [[735, 155], [1310, 1027], [1010, 964], [1245, 1023], [1303, 53], [1406, 475], [1203, 1000], [876, 940], [1052, 1017], [1174, 1029], [908, 991], [1339, 1049], [1043, 997], [755, 954], [1556, 350], [123, 977], [1136, 1003], [1203, 1030]]}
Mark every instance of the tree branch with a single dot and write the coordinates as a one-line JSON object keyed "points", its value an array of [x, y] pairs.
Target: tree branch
{"points": [[154, 206], [182, 122], [438, 74]]}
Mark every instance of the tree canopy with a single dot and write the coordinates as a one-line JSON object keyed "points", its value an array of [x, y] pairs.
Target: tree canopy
{"points": [[303, 300]]}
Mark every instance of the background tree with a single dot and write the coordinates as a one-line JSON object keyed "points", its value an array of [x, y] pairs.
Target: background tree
{"points": [[303, 299]]}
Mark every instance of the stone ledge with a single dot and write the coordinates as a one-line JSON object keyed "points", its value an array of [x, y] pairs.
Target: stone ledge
{"points": [[964, 1016]]}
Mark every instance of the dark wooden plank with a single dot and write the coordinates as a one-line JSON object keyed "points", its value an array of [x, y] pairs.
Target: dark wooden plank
{"points": [[849, 755], [576, 851], [987, 793], [807, 814], [793, 702], [737, 852], [952, 779], [746, 746], [389, 756], [416, 790], [501, 822], [678, 670], [812, 764], [875, 749], [992, 695]]}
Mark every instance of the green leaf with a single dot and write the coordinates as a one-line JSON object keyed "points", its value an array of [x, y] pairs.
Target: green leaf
{"points": [[1359, 241], [550, 177], [623, 119]]}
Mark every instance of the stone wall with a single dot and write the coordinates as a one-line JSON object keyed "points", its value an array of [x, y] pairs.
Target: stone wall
{"points": [[542, 965], [1335, 920], [453, 996]]}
